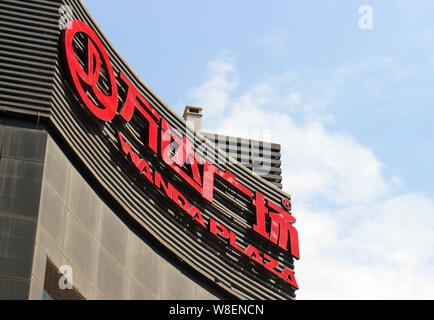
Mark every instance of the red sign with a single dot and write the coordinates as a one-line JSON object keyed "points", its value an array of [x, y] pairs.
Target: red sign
{"points": [[281, 225], [103, 104], [96, 57], [286, 203]]}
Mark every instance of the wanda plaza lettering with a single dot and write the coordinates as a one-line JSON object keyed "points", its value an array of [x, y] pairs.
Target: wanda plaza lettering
{"points": [[282, 233]]}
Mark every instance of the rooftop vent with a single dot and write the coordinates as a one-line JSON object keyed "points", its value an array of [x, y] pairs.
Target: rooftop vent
{"points": [[193, 117]]}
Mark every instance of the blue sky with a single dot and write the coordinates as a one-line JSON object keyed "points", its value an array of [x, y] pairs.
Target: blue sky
{"points": [[352, 108]]}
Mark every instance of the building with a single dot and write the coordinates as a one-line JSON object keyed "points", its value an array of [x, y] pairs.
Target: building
{"points": [[261, 157], [105, 192]]}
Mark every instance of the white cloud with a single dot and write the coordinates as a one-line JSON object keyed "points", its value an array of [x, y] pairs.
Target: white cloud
{"points": [[275, 42], [382, 251], [315, 163], [214, 93], [359, 238]]}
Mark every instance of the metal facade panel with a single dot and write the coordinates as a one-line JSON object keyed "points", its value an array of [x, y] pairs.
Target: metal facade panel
{"points": [[28, 55]]}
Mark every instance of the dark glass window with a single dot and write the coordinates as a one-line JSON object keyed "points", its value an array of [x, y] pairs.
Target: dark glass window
{"points": [[52, 290]]}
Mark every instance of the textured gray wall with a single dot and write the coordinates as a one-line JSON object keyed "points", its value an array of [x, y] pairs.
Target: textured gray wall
{"points": [[22, 153], [108, 260]]}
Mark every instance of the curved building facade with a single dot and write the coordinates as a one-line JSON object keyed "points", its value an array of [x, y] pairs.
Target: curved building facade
{"points": [[106, 193]]}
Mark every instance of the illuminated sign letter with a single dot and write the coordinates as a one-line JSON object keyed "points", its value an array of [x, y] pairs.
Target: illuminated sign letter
{"points": [[135, 101], [97, 58], [281, 225]]}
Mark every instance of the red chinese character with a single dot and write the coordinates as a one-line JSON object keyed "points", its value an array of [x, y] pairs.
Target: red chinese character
{"points": [[281, 225]]}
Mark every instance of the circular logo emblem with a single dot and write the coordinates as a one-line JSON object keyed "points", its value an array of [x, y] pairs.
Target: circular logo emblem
{"points": [[85, 78], [286, 203]]}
